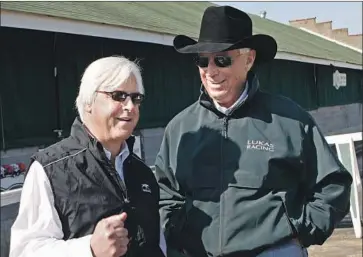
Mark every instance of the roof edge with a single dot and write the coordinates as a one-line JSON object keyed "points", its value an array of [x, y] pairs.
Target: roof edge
{"points": [[332, 40], [308, 59]]}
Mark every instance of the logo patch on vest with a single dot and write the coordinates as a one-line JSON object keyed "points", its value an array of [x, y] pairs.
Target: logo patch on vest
{"points": [[260, 145], [145, 188]]}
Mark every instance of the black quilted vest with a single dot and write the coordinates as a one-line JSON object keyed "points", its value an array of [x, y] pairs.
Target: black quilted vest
{"points": [[86, 190]]}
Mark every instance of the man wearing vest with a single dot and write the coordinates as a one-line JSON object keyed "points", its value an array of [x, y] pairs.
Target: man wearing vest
{"points": [[90, 195]]}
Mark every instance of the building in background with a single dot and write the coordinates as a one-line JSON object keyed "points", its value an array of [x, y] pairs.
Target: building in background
{"points": [[325, 29]]}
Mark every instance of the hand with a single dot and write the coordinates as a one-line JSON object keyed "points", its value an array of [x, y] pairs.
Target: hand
{"points": [[110, 237], [296, 240]]}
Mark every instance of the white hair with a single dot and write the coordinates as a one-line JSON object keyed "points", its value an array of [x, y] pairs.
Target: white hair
{"points": [[244, 50], [107, 74]]}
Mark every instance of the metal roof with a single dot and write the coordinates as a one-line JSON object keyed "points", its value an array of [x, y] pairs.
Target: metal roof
{"points": [[174, 18]]}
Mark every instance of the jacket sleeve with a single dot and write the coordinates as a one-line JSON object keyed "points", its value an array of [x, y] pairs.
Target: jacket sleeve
{"points": [[172, 198], [327, 187]]}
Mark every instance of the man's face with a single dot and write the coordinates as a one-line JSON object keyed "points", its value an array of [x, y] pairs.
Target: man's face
{"points": [[224, 84], [111, 120]]}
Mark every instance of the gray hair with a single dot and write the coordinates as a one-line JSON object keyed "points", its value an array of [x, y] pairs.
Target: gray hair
{"points": [[107, 74], [244, 50]]}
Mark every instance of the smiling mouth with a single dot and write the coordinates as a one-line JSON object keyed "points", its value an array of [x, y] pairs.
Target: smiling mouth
{"points": [[217, 83], [124, 119]]}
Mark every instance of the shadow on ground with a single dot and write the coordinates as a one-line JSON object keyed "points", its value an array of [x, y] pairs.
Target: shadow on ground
{"points": [[341, 244]]}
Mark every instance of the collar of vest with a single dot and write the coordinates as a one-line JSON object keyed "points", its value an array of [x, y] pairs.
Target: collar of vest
{"points": [[86, 139]]}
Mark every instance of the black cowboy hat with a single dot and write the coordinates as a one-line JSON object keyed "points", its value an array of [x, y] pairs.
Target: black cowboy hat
{"points": [[226, 28]]}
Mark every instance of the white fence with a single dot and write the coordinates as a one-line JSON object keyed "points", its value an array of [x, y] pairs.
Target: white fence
{"points": [[346, 153], [10, 197]]}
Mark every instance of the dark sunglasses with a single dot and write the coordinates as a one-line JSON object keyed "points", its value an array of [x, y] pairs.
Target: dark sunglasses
{"points": [[221, 61], [121, 96]]}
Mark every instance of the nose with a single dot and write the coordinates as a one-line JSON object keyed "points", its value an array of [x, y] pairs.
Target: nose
{"points": [[212, 69], [128, 105]]}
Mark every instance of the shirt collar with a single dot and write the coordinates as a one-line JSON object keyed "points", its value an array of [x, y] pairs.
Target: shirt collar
{"points": [[121, 156], [236, 104]]}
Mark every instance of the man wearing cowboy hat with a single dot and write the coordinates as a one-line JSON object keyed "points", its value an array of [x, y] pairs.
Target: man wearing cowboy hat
{"points": [[243, 172]]}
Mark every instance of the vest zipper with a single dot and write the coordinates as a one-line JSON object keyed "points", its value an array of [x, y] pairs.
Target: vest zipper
{"points": [[121, 184], [119, 181]]}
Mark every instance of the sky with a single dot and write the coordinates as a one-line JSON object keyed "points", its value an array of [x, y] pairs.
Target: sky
{"points": [[343, 14]]}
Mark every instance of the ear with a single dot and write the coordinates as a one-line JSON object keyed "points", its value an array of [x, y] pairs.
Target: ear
{"points": [[88, 108], [250, 59]]}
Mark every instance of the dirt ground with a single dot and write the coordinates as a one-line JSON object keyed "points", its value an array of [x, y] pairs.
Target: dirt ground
{"points": [[341, 244]]}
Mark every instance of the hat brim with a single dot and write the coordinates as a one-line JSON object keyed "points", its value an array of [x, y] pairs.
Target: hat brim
{"points": [[264, 45]]}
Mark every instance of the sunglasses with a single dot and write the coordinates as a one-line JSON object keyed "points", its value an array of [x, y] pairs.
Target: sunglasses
{"points": [[221, 61], [121, 96]]}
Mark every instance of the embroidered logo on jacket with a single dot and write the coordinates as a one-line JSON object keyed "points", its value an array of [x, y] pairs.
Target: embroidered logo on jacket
{"points": [[260, 145], [145, 188]]}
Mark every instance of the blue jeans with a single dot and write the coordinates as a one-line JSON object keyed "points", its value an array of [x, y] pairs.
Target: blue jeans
{"points": [[289, 249]]}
